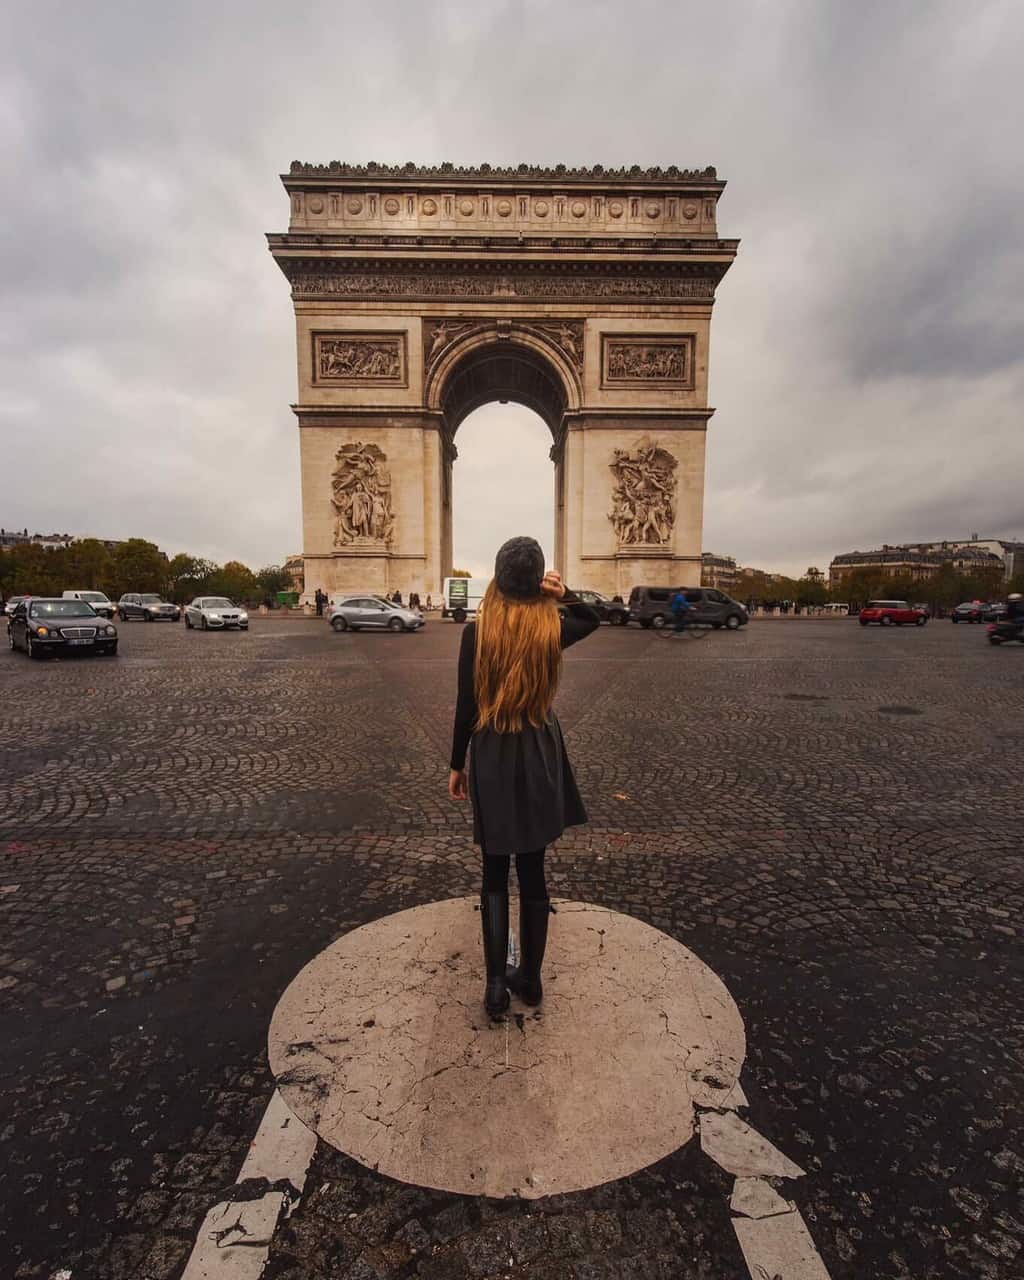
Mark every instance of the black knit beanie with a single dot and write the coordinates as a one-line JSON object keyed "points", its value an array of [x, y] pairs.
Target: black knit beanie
{"points": [[519, 568]]}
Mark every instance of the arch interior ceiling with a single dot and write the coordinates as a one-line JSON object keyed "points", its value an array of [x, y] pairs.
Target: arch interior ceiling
{"points": [[504, 372]]}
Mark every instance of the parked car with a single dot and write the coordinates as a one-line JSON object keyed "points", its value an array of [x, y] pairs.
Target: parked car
{"points": [[215, 612], [993, 611], [13, 603], [892, 613], [969, 611], [613, 611], [101, 603], [148, 606], [652, 607], [44, 626], [353, 613]]}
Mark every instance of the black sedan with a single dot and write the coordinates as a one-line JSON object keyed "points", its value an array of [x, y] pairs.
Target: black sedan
{"points": [[613, 611], [43, 627], [969, 611]]}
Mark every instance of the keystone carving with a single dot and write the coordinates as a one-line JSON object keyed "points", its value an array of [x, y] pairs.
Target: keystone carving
{"points": [[644, 497], [361, 499]]}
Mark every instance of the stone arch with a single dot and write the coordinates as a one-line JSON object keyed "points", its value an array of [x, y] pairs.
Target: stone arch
{"points": [[421, 294], [503, 362]]}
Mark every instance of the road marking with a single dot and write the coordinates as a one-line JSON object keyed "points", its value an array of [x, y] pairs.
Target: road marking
{"points": [[234, 1241]]}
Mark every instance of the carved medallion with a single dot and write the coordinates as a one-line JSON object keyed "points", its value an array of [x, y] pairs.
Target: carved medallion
{"points": [[361, 496], [354, 205], [316, 205], [391, 206], [429, 207], [504, 208], [629, 360], [353, 359], [643, 510], [578, 209], [541, 209], [466, 208]]}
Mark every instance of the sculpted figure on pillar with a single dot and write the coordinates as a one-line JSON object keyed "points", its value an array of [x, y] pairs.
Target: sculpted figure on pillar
{"points": [[361, 485], [644, 497]]}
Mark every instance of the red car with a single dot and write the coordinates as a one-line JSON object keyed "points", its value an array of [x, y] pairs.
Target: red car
{"points": [[892, 613]]}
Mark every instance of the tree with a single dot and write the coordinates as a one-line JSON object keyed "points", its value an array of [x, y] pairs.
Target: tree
{"points": [[86, 565], [234, 580], [138, 565], [271, 579], [460, 573], [187, 576]]}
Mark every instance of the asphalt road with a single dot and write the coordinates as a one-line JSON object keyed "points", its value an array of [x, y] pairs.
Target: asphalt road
{"points": [[828, 815]]}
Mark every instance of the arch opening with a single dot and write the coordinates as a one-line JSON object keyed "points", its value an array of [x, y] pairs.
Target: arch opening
{"points": [[504, 372], [502, 485]]}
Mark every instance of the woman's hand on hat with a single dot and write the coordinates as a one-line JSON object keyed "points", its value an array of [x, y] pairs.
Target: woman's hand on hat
{"points": [[552, 585]]}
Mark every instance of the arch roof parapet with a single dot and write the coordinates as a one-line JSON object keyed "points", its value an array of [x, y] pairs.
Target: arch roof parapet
{"points": [[497, 173]]}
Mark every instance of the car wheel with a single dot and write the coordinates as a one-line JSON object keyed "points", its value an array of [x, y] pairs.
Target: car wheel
{"points": [[716, 626], [31, 649], [618, 619], [205, 625], [10, 638], [732, 623], [658, 621], [863, 622], [396, 624], [339, 624], [122, 615], [954, 618], [921, 621], [188, 625], [994, 640], [887, 621], [645, 623]]}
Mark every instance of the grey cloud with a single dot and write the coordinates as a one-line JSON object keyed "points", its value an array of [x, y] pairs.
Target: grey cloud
{"points": [[866, 355]]}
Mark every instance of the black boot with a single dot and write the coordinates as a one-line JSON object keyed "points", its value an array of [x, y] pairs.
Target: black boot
{"points": [[494, 918], [533, 937]]}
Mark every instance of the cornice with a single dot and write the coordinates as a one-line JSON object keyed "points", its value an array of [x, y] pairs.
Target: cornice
{"points": [[328, 243], [448, 174]]}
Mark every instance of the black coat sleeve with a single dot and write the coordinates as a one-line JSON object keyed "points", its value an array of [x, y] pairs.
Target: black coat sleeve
{"points": [[465, 702], [578, 621]]}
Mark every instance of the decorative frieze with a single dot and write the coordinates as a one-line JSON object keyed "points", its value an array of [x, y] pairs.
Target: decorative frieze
{"points": [[361, 496], [660, 360], [311, 284], [353, 359], [644, 495]]}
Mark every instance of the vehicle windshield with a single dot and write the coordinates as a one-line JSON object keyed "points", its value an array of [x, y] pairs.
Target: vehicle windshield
{"points": [[95, 595], [150, 599], [61, 609], [217, 602]]}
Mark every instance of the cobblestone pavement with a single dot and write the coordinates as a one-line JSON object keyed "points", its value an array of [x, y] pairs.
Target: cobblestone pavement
{"points": [[827, 815]]}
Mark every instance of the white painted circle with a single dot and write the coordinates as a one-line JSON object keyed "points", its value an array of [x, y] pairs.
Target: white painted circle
{"points": [[381, 1045]]}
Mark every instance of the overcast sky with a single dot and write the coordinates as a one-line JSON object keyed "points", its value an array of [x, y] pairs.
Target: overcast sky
{"points": [[867, 345]]}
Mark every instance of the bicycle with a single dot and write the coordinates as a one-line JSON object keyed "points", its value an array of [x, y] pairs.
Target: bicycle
{"points": [[695, 630]]}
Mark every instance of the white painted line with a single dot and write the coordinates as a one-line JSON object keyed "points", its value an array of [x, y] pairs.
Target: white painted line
{"points": [[234, 1241], [741, 1150], [779, 1246], [756, 1198]]}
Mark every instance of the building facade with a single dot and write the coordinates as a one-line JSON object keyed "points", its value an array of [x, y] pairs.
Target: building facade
{"points": [[718, 571], [421, 294], [919, 561]]}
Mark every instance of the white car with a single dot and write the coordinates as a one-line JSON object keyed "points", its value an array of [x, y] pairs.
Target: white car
{"points": [[206, 612], [101, 603]]}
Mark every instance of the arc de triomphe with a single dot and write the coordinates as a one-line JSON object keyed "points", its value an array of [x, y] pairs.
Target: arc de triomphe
{"points": [[423, 293]]}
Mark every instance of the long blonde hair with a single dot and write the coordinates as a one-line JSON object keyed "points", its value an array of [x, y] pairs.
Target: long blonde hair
{"points": [[518, 660]]}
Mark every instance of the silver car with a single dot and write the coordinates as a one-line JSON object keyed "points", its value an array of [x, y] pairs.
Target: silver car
{"points": [[352, 613], [208, 612]]}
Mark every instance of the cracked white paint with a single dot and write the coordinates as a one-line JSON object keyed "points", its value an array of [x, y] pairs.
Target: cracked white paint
{"points": [[741, 1150], [234, 1240], [779, 1248], [755, 1198], [382, 1046]]}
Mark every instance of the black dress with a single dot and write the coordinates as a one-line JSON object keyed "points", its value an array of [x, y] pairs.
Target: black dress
{"points": [[521, 784]]}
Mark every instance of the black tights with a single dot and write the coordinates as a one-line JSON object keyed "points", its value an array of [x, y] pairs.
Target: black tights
{"points": [[529, 869]]}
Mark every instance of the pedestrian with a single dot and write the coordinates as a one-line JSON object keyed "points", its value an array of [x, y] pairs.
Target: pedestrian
{"points": [[429, 603], [520, 781], [397, 597], [318, 596]]}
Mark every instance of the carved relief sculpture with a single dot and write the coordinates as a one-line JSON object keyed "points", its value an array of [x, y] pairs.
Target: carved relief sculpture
{"points": [[568, 335], [644, 497], [361, 496], [356, 358], [662, 361]]}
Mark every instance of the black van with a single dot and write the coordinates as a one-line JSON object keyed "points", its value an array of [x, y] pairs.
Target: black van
{"points": [[652, 607]]}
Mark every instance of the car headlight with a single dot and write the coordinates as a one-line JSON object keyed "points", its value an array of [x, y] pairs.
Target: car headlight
{"points": [[243, 616], [214, 614], [42, 631], [110, 631]]}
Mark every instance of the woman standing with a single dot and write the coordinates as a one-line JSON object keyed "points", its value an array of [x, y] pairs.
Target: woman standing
{"points": [[520, 781]]}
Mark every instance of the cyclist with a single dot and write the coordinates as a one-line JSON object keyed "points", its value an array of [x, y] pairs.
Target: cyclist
{"points": [[681, 609]]}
